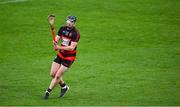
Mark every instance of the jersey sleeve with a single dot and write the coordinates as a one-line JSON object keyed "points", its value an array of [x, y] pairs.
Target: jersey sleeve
{"points": [[75, 36], [60, 31]]}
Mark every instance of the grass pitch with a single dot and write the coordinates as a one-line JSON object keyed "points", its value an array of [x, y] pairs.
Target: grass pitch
{"points": [[128, 54]]}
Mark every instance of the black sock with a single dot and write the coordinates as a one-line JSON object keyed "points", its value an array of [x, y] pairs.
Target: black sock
{"points": [[48, 90], [62, 85]]}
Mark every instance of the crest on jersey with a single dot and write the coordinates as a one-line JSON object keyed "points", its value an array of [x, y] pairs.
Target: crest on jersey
{"points": [[65, 33]]}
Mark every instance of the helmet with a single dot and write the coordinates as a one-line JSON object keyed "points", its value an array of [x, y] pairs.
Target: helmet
{"points": [[71, 18]]}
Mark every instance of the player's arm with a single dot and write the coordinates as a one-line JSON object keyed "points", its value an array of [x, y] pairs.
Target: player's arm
{"points": [[68, 48], [75, 39], [58, 38], [56, 41]]}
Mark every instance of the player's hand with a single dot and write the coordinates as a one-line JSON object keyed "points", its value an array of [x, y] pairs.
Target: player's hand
{"points": [[56, 47], [54, 42], [51, 20]]}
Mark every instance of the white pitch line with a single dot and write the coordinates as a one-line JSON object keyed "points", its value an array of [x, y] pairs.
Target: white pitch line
{"points": [[12, 1]]}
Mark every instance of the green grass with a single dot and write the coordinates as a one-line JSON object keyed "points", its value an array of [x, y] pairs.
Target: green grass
{"points": [[128, 54]]}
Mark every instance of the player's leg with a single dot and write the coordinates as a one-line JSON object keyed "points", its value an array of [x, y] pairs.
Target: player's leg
{"points": [[61, 82], [54, 68], [66, 64], [64, 88], [55, 80], [58, 76]]}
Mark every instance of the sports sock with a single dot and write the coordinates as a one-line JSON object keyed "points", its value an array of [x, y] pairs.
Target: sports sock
{"points": [[63, 86], [48, 90]]}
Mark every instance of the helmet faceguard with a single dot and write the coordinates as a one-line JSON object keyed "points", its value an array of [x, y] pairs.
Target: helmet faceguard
{"points": [[70, 21]]}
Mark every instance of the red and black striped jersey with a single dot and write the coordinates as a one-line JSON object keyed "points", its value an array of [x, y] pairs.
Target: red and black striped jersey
{"points": [[68, 36]]}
